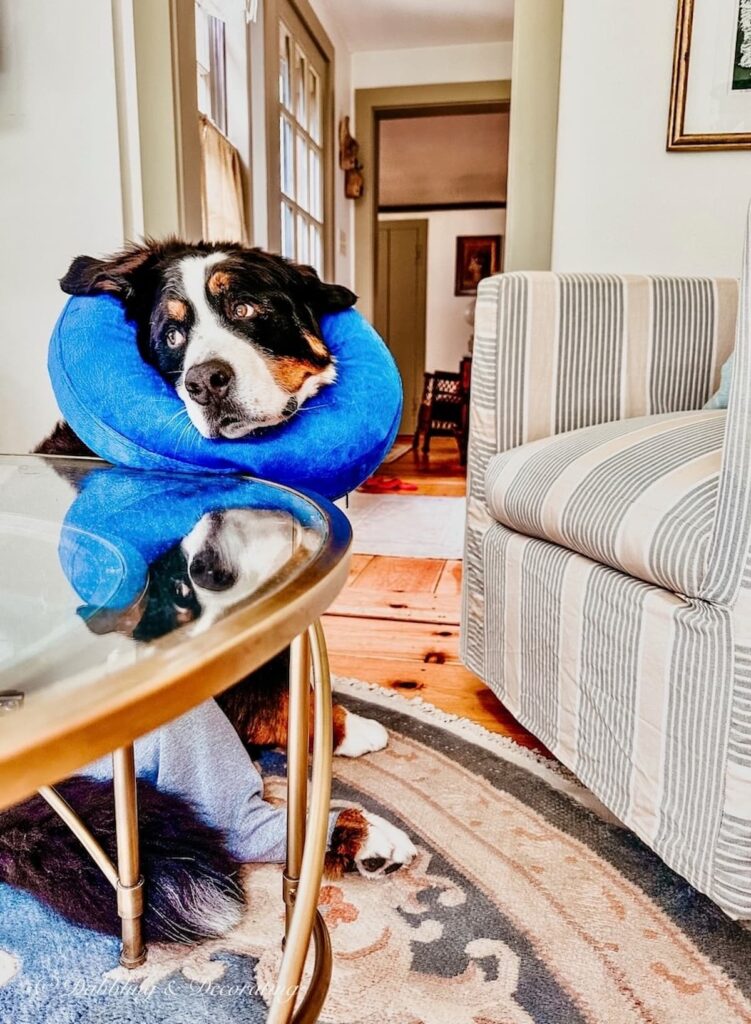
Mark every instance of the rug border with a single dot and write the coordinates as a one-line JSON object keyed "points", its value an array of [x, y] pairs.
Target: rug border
{"points": [[549, 770]]}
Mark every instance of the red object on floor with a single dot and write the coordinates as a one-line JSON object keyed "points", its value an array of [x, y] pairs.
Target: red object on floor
{"points": [[385, 485]]}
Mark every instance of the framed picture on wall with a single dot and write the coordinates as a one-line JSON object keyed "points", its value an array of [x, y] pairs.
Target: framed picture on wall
{"points": [[477, 256], [710, 101]]}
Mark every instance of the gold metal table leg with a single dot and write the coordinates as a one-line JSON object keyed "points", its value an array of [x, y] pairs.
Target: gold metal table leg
{"points": [[298, 733], [129, 878], [126, 877], [306, 853], [81, 832]]}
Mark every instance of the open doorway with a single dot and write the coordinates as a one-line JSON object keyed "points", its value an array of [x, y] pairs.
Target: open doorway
{"points": [[439, 207]]}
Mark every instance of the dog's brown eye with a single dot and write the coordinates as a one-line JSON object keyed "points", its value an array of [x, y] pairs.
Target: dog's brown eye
{"points": [[244, 311], [175, 338]]}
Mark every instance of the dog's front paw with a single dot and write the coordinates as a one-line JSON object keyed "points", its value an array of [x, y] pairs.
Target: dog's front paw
{"points": [[368, 843], [361, 736]]}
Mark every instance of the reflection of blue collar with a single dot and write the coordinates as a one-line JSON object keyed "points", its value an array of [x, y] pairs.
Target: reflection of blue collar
{"points": [[123, 520]]}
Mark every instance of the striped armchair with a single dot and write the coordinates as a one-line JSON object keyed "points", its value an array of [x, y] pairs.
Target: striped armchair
{"points": [[607, 586]]}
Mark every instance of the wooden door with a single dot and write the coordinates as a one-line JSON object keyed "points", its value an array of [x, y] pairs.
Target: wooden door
{"points": [[400, 305]]}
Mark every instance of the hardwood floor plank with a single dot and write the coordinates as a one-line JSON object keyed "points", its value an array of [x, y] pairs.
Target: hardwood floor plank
{"points": [[438, 609], [396, 623], [423, 643], [450, 582], [398, 575], [356, 566]]}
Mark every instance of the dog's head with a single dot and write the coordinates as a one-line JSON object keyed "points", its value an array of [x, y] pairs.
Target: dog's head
{"points": [[236, 331], [229, 555]]}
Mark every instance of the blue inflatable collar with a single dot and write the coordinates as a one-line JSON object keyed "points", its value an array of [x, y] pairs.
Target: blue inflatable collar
{"points": [[124, 411]]}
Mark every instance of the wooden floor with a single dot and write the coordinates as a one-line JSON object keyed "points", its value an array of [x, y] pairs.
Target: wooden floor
{"points": [[438, 473], [396, 623]]}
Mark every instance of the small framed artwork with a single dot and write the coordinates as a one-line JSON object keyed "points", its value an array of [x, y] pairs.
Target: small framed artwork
{"points": [[477, 256], [710, 101]]}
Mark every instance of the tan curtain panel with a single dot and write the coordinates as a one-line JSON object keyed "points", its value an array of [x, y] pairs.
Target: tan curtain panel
{"points": [[222, 201]]}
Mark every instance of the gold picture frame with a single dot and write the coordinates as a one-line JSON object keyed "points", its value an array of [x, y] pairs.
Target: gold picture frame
{"points": [[678, 138]]}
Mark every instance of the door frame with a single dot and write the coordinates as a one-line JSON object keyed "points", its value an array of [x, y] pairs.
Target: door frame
{"points": [[370, 105], [421, 223], [164, 45], [272, 13]]}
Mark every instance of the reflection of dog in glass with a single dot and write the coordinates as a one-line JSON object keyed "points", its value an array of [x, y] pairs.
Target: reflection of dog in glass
{"points": [[201, 810]]}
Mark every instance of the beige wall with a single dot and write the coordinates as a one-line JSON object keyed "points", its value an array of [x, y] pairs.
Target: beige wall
{"points": [[622, 202], [532, 143]]}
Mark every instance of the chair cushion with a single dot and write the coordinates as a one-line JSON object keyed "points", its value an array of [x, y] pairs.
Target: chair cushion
{"points": [[638, 495]]}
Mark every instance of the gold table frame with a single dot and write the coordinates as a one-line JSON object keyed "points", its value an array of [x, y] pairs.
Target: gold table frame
{"points": [[46, 746], [307, 832]]}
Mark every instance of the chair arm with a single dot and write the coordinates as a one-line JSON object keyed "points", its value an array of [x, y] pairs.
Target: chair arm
{"points": [[729, 559], [554, 352]]}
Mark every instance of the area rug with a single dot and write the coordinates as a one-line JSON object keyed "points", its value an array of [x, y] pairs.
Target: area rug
{"points": [[525, 904], [407, 526]]}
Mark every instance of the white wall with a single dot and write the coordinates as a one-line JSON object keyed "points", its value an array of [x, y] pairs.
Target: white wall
{"points": [[61, 191], [447, 331], [432, 65], [622, 202]]}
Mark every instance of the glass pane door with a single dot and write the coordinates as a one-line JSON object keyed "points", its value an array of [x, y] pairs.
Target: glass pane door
{"points": [[301, 153]]}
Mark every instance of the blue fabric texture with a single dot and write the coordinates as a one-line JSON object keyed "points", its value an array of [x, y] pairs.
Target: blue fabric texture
{"points": [[125, 412], [121, 522], [720, 398]]}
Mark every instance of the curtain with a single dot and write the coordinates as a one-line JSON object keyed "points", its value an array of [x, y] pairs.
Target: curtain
{"points": [[222, 200]]}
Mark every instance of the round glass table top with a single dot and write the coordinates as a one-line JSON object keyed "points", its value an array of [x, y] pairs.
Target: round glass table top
{"points": [[107, 569]]}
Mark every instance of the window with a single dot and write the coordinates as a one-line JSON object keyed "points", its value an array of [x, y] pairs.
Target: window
{"points": [[223, 208], [211, 67], [299, 223]]}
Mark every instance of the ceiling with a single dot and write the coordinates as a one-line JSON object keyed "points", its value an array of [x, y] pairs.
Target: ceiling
{"points": [[402, 24]]}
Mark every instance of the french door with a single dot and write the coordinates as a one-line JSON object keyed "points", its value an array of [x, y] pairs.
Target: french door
{"points": [[300, 137]]}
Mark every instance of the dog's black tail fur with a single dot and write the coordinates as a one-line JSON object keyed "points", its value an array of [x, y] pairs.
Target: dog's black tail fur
{"points": [[192, 884]]}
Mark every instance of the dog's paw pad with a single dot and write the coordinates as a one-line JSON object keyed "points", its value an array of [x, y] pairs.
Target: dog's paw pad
{"points": [[385, 848], [361, 736]]}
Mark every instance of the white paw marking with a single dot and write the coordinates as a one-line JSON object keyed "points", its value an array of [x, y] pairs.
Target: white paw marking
{"points": [[385, 849], [361, 736]]}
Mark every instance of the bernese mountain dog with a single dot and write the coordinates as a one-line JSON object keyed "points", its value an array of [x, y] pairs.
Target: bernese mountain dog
{"points": [[236, 332]]}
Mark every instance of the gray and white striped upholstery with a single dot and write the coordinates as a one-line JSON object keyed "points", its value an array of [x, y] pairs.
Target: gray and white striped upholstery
{"points": [[630, 659], [638, 495]]}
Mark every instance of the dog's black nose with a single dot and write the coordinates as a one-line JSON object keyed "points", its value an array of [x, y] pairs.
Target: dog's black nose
{"points": [[209, 572], [208, 382]]}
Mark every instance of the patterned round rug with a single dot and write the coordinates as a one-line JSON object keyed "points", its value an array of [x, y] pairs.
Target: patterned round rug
{"points": [[527, 903]]}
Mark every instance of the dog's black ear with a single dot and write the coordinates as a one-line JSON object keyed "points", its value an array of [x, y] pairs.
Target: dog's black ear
{"points": [[335, 297], [325, 298], [114, 274]]}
